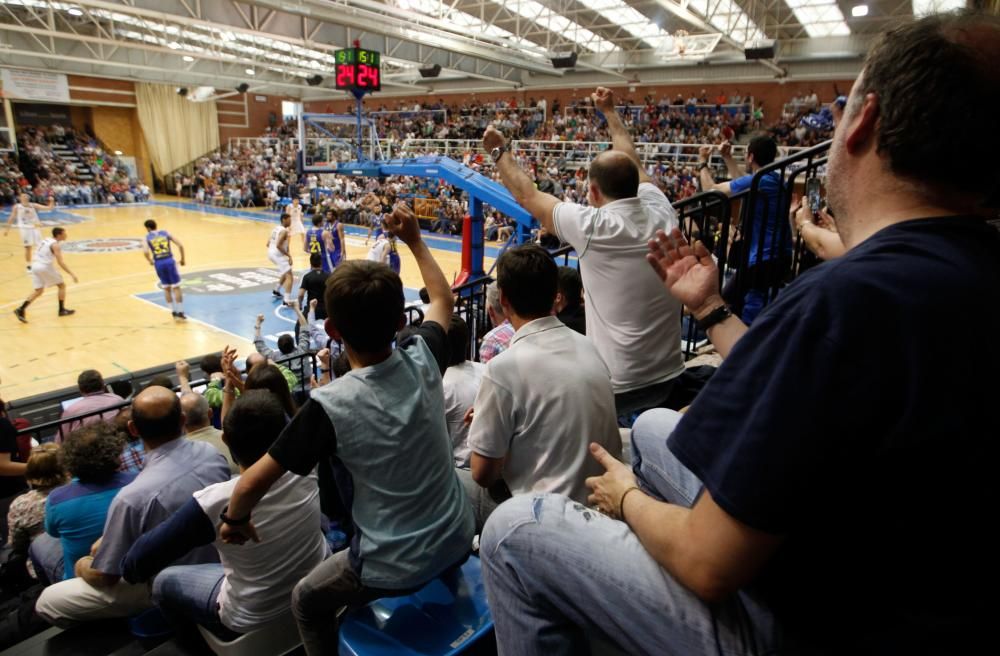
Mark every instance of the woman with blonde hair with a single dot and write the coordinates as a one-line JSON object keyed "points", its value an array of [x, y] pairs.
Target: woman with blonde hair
{"points": [[26, 517]]}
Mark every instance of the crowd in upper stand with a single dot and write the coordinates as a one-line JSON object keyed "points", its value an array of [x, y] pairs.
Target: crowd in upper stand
{"points": [[799, 504]]}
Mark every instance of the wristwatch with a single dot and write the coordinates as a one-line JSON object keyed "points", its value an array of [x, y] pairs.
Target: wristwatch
{"points": [[703, 165], [718, 315], [231, 521], [497, 153]]}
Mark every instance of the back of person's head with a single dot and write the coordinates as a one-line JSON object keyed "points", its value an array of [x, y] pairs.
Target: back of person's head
{"points": [[44, 470], [458, 341], [254, 360], [150, 224], [56, 232], [364, 301], [269, 377], [764, 149], [570, 286], [90, 381], [938, 88], [197, 413], [93, 453], [161, 380], [211, 364], [317, 220], [615, 174], [315, 261], [252, 424], [493, 300], [286, 344], [156, 415], [527, 276]]}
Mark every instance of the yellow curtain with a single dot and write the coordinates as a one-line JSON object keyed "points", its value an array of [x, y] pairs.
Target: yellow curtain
{"points": [[177, 130]]}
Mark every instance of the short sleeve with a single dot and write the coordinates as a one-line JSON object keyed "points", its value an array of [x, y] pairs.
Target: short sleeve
{"points": [[740, 184], [121, 529], [8, 438], [574, 224], [436, 340], [494, 420], [308, 438]]}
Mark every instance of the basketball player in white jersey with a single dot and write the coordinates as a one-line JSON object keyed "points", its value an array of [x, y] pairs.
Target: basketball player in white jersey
{"points": [[296, 227], [44, 273], [277, 252], [24, 214]]}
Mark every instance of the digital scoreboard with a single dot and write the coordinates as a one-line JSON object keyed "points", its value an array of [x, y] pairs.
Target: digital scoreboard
{"points": [[358, 70]]}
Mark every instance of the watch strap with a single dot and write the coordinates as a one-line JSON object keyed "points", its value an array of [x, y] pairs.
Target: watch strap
{"points": [[231, 520], [718, 315]]}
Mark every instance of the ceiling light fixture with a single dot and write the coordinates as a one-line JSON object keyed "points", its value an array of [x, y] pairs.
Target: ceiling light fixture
{"points": [[859, 11]]}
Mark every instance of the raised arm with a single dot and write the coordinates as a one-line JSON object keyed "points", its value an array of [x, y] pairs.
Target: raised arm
{"points": [[690, 275], [708, 183], [537, 203], [621, 140], [403, 223]]}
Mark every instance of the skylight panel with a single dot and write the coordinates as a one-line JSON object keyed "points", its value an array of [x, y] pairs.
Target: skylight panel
{"points": [[819, 17]]}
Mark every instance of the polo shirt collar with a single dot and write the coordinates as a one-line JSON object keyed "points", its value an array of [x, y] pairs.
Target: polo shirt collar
{"points": [[536, 326], [164, 450]]}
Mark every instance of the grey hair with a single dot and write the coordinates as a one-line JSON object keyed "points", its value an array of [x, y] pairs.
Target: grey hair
{"points": [[493, 299], [196, 410]]}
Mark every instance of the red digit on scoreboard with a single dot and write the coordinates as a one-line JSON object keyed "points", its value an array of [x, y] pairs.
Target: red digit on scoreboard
{"points": [[363, 71], [373, 76], [345, 75]]}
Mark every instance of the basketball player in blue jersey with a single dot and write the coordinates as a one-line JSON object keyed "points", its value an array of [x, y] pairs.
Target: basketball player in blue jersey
{"points": [[338, 252], [157, 250], [319, 242]]}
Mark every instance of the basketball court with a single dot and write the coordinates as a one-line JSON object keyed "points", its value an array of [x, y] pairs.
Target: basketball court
{"points": [[122, 322]]}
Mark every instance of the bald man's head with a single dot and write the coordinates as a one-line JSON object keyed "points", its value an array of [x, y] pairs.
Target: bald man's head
{"points": [[615, 174], [255, 359], [156, 416], [196, 411]]}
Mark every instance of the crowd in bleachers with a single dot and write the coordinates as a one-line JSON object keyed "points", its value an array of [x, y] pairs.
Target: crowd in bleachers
{"points": [[89, 175], [799, 504]]}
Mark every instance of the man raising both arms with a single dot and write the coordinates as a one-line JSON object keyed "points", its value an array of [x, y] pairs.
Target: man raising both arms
{"points": [[277, 252], [26, 216], [44, 273], [156, 248]]}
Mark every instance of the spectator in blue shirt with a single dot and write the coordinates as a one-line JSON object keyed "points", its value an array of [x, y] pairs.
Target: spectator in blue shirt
{"points": [[767, 240]]}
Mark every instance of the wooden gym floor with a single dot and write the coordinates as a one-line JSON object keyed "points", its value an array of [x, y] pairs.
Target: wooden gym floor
{"points": [[122, 322]]}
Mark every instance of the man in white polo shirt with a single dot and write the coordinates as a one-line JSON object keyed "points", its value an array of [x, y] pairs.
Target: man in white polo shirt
{"points": [[543, 400], [634, 325]]}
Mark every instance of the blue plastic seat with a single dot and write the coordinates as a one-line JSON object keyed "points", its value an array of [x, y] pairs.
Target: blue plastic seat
{"points": [[444, 617]]}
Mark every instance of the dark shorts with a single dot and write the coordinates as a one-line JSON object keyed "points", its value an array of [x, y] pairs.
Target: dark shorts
{"points": [[166, 270]]}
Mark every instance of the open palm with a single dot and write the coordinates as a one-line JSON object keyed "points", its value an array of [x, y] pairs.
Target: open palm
{"points": [[688, 272]]}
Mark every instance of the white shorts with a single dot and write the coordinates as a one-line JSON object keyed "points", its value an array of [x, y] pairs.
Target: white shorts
{"points": [[45, 277], [296, 227], [280, 260], [31, 236]]}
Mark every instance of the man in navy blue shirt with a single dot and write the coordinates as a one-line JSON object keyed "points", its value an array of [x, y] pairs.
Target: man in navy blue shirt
{"points": [[767, 240], [829, 490]]}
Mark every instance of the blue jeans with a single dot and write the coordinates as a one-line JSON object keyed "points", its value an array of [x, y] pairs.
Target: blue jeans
{"points": [[556, 572], [46, 555], [189, 594]]}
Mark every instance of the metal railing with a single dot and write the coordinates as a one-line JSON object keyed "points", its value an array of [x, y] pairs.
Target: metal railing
{"points": [[471, 306], [765, 230]]}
